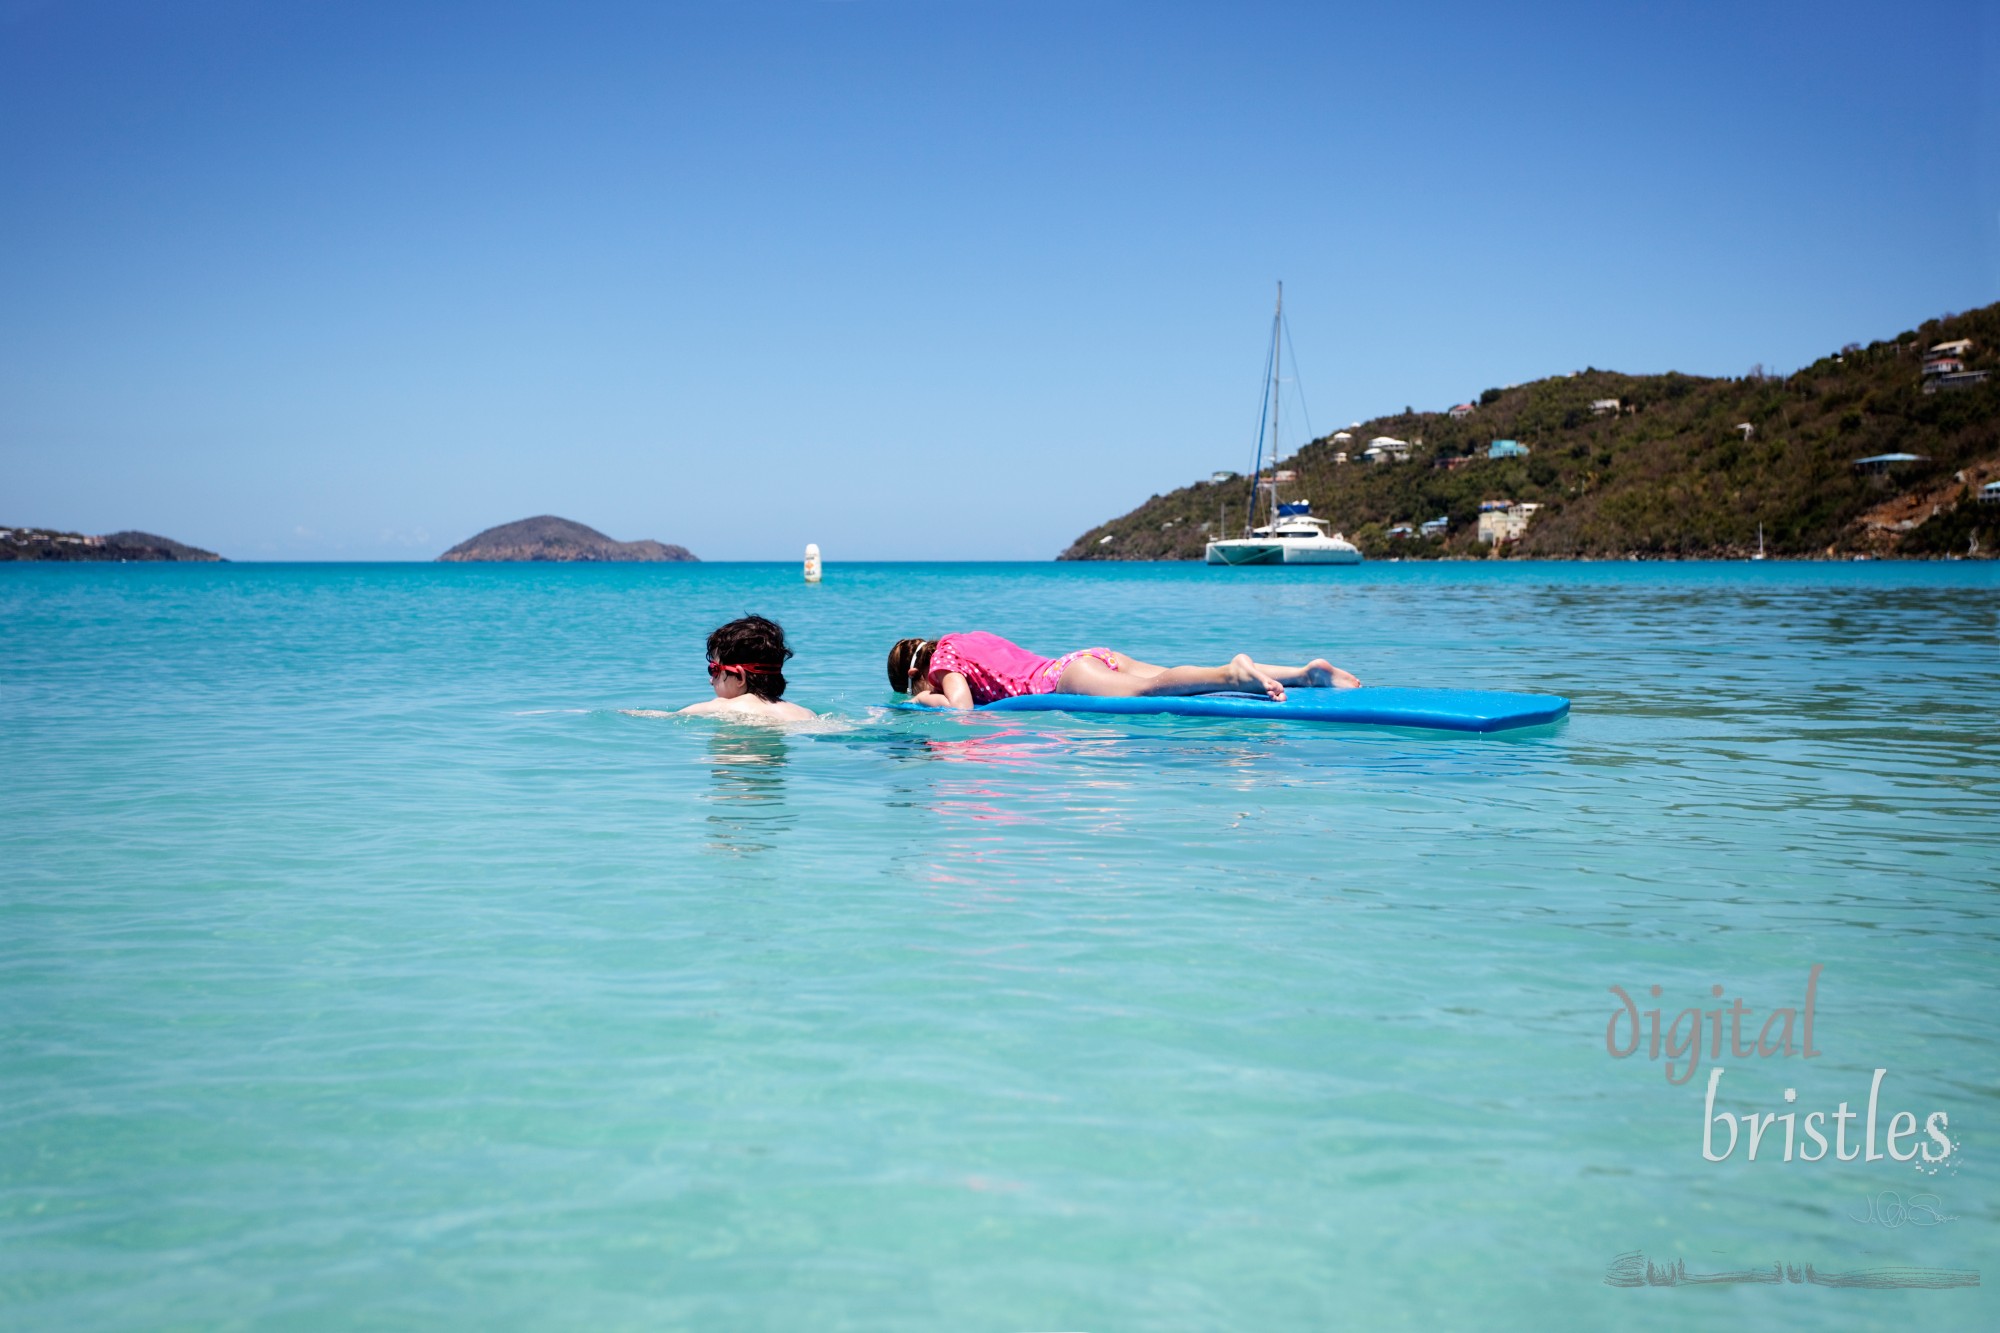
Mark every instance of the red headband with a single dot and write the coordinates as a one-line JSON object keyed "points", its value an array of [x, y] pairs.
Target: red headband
{"points": [[742, 669]]}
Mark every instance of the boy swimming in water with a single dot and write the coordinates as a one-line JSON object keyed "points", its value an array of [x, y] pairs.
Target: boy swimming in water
{"points": [[746, 668]]}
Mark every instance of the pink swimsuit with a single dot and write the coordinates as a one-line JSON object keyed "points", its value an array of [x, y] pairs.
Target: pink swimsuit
{"points": [[997, 669]]}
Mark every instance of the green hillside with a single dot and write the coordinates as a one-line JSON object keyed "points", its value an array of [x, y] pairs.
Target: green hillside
{"points": [[1668, 474]]}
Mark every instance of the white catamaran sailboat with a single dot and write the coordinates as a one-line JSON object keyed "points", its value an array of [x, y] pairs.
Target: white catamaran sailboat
{"points": [[1292, 536]]}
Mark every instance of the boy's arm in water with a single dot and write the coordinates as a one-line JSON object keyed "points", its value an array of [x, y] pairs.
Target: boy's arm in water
{"points": [[952, 692]]}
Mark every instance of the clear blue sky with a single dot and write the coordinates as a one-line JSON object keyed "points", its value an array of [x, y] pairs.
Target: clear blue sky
{"points": [[944, 280]]}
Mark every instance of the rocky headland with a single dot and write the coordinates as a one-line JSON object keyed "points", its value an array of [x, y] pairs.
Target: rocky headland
{"points": [[547, 537], [50, 544], [1877, 451]]}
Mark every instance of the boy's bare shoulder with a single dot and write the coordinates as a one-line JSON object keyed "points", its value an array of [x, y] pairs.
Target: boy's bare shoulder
{"points": [[749, 705]]}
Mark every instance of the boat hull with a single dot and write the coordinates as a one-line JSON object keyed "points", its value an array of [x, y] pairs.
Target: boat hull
{"points": [[1302, 553], [1242, 552], [1245, 553]]}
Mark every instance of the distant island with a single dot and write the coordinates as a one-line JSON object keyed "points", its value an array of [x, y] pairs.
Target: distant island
{"points": [[1887, 450], [550, 538], [49, 544]]}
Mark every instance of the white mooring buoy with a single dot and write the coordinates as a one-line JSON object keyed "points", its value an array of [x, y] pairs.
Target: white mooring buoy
{"points": [[812, 562]]}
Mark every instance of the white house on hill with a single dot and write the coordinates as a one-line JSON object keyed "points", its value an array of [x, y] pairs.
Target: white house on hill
{"points": [[1503, 520]]}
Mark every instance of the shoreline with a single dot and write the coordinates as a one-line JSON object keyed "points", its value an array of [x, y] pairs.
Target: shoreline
{"points": [[1857, 558]]}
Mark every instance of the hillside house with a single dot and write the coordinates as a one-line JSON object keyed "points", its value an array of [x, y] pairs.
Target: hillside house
{"points": [[1989, 494], [1218, 477], [1876, 465], [1503, 520], [1402, 532], [1506, 449], [1956, 347], [1462, 410], [1440, 525], [1386, 449], [1941, 364], [1958, 379], [1600, 407]]}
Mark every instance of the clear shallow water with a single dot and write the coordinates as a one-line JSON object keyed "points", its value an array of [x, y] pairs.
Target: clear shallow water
{"points": [[362, 964]]}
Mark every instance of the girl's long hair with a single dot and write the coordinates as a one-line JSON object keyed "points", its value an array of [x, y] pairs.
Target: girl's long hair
{"points": [[910, 655]]}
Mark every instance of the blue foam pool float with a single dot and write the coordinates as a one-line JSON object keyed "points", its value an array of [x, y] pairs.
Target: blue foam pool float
{"points": [[1381, 705]]}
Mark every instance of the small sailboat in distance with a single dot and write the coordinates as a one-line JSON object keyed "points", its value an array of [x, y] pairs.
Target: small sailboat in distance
{"points": [[1292, 536]]}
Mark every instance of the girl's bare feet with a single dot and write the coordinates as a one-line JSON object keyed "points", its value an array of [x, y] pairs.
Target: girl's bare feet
{"points": [[1325, 675], [1245, 676]]}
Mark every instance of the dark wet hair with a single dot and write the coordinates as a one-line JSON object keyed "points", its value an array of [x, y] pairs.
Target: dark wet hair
{"points": [[758, 645], [910, 654]]}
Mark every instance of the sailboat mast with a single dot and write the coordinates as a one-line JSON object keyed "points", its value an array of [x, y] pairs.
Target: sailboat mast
{"points": [[1277, 370]]}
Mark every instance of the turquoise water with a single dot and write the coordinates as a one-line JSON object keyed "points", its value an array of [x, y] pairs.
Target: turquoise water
{"points": [[362, 964]]}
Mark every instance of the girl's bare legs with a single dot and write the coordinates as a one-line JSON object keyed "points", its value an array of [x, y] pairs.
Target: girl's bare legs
{"points": [[1134, 678], [1087, 675], [1133, 666], [1318, 673]]}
